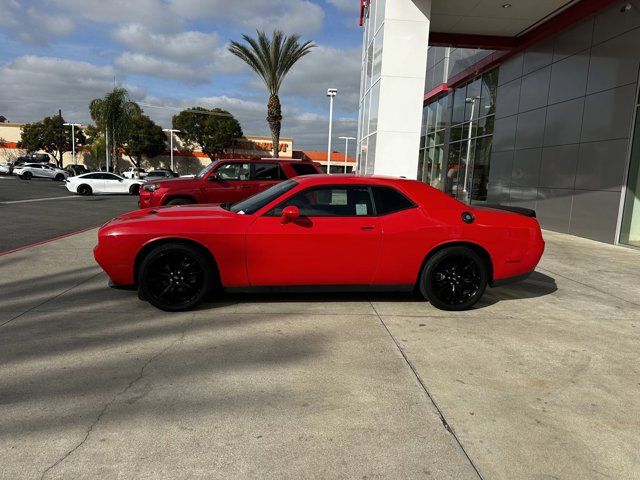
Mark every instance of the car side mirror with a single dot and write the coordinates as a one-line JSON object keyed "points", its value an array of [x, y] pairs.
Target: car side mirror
{"points": [[214, 177], [290, 214]]}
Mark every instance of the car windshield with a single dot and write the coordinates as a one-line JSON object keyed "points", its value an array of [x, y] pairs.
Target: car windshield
{"points": [[205, 170], [253, 204]]}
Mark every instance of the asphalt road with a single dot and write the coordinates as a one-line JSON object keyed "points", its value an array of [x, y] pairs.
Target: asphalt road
{"points": [[36, 210]]}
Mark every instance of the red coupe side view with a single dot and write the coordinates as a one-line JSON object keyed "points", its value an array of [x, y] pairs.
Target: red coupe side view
{"points": [[322, 231]]}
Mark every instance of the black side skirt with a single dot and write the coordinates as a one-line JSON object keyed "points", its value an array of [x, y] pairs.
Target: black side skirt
{"points": [[321, 289]]}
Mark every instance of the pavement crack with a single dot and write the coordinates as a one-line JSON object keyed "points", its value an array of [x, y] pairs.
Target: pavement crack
{"points": [[444, 421], [106, 407]]}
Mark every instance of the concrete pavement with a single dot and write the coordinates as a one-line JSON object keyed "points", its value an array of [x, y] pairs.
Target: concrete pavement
{"points": [[540, 381]]}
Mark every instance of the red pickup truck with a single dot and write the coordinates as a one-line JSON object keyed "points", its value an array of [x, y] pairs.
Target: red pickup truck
{"points": [[224, 181]]}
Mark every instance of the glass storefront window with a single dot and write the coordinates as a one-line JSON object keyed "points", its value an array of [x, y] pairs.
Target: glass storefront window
{"points": [[373, 108], [472, 100], [377, 56], [442, 113], [371, 152], [380, 5], [469, 136], [459, 97], [630, 231], [480, 178], [489, 93]]}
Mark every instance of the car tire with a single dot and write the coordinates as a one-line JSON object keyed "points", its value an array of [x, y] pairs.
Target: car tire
{"points": [[134, 189], [27, 176], [59, 178], [454, 279], [84, 190], [180, 201], [175, 277]]}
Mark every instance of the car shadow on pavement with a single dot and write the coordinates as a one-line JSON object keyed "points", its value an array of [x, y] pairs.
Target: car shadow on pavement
{"points": [[536, 285]]}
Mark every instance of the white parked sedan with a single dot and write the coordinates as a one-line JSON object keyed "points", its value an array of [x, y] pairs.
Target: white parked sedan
{"points": [[102, 182], [27, 171]]}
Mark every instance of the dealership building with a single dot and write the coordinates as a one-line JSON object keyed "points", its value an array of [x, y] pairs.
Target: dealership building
{"points": [[517, 102]]}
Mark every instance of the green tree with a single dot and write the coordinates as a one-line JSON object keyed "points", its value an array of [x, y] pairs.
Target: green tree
{"points": [[51, 135], [144, 139], [114, 114], [272, 58], [211, 130]]}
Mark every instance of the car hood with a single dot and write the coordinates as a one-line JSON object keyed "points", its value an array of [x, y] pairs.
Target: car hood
{"points": [[175, 182], [178, 212]]}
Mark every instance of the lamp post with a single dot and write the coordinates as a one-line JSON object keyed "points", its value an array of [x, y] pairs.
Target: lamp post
{"points": [[331, 93], [472, 101], [73, 139], [171, 131], [346, 150]]}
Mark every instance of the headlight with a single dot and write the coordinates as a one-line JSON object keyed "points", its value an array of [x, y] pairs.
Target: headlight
{"points": [[151, 188]]}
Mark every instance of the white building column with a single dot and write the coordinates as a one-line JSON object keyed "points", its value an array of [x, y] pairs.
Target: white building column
{"points": [[396, 33]]}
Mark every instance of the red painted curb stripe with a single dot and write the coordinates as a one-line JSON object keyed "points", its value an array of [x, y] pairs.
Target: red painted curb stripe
{"points": [[53, 239]]}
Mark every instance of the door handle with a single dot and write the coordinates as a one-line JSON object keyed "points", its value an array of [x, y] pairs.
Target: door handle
{"points": [[367, 227], [245, 186]]}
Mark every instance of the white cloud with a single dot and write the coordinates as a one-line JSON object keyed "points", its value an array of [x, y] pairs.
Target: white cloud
{"points": [[142, 64], [346, 5], [33, 87], [153, 13], [292, 16], [190, 55], [31, 24], [37, 86], [327, 67]]}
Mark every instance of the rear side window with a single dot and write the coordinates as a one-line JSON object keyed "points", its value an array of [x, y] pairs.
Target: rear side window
{"points": [[389, 200], [267, 171], [303, 168]]}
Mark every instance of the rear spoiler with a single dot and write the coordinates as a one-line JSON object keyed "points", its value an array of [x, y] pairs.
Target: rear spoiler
{"points": [[522, 211]]}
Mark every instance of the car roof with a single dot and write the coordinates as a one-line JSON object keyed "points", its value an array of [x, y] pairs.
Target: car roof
{"points": [[264, 159], [416, 190]]}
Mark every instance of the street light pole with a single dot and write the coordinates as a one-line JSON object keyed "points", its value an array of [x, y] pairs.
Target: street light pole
{"points": [[346, 150], [171, 132], [73, 139], [331, 93]]}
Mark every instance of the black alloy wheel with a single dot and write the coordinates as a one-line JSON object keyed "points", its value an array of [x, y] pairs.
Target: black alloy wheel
{"points": [[84, 190], [454, 279], [59, 177], [27, 175], [175, 277], [134, 189]]}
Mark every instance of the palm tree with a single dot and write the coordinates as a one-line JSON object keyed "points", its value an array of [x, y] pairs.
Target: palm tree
{"points": [[113, 113], [272, 58]]}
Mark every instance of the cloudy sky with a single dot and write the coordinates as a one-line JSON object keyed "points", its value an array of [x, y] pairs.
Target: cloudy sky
{"points": [[171, 54]]}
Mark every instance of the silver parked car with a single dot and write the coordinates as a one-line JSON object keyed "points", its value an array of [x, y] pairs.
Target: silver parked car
{"points": [[28, 171]]}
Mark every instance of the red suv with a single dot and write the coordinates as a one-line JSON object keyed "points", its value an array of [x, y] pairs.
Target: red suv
{"points": [[224, 181]]}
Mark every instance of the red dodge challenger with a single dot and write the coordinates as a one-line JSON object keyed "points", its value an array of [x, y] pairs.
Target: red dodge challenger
{"points": [[322, 231]]}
